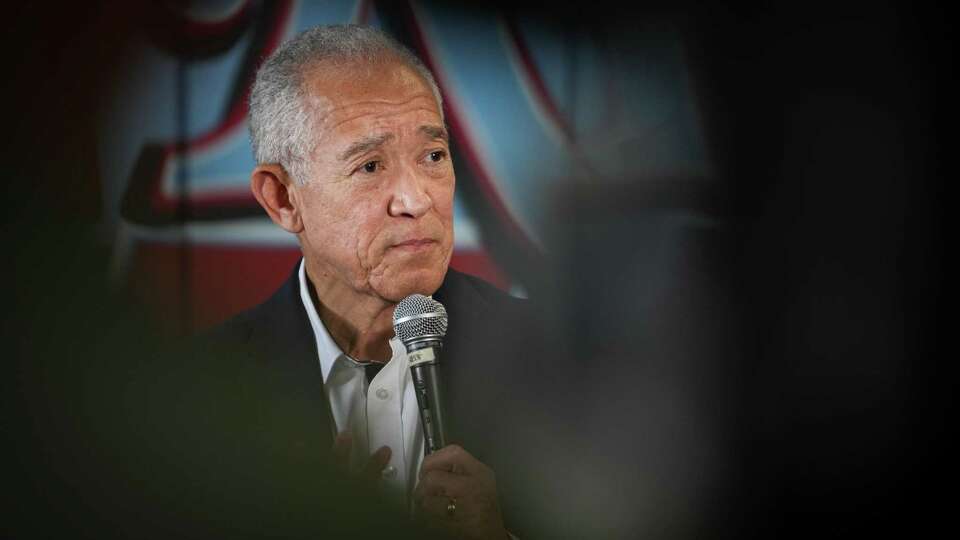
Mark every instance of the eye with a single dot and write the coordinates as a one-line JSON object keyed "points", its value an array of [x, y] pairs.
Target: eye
{"points": [[370, 166], [436, 156]]}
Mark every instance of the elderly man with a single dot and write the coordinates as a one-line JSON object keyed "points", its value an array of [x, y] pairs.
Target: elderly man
{"points": [[353, 158]]}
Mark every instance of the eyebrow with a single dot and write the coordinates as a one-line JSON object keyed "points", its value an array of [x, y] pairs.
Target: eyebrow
{"points": [[365, 145], [369, 143], [435, 132]]}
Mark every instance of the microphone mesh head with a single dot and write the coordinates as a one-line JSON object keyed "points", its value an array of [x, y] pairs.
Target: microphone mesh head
{"points": [[418, 316]]}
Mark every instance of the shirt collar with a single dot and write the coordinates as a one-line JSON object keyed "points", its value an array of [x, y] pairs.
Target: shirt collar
{"points": [[327, 348]]}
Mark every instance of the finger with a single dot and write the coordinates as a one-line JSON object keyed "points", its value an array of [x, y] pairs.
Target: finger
{"points": [[376, 463], [452, 458], [341, 449], [443, 483], [444, 508]]}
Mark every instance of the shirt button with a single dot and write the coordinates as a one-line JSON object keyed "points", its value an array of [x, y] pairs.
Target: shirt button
{"points": [[389, 471], [383, 393]]}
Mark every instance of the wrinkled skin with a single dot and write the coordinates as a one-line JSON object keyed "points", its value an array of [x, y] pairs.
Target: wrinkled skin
{"points": [[359, 212]]}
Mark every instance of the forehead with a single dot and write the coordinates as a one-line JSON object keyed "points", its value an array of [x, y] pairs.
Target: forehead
{"points": [[346, 93]]}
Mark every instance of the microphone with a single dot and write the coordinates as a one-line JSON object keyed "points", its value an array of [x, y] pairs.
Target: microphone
{"points": [[420, 323]]}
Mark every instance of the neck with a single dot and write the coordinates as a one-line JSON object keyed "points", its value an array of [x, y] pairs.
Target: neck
{"points": [[360, 324]]}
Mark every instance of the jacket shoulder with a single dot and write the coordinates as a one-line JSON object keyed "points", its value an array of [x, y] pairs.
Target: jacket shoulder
{"points": [[458, 284], [279, 318]]}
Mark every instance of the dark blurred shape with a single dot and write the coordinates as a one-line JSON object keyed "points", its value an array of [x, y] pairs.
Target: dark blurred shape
{"points": [[641, 304], [824, 127], [749, 355]]}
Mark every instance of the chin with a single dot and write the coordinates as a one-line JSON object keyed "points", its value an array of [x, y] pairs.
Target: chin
{"points": [[399, 286]]}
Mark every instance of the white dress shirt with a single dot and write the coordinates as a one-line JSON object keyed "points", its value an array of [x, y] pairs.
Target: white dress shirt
{"points": [[383, 412]]}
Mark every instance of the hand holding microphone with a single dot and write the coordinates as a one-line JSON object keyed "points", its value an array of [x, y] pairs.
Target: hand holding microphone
{"points": [[456, 493]]}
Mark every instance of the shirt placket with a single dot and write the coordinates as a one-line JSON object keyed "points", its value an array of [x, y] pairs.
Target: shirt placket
{"points": [[384, 425]]}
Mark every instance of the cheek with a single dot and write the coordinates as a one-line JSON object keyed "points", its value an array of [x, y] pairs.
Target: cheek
{"points": [[362, 231], [443, 202], [340, 226], [367, 245]]}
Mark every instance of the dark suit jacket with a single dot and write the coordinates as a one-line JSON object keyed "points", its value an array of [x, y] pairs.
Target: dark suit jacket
{"points": [[263, 414], [276, 339]]}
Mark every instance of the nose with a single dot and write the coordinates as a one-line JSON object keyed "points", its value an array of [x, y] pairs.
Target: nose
{"points": [[409, 198]]}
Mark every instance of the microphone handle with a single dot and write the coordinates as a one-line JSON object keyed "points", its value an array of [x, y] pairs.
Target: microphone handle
{"points": [[425, 370]]}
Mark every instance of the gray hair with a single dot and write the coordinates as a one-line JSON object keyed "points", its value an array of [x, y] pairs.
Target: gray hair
{"points": [[281, 127]]}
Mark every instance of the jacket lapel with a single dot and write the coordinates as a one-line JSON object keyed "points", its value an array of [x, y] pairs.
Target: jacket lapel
{"points": [[289, 368]]}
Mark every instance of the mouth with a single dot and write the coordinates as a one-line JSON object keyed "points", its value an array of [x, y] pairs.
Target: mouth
{"points": [[415, 244]]}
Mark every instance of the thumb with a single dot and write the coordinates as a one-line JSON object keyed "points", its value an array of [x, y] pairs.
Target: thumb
{"points": [[377, 462]]}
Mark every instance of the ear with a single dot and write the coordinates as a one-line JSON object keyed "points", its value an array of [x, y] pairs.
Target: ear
{"points": [[272, 187]]}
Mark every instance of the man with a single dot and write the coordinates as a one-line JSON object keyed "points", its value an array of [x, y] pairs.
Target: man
{"points": [[353, 158]]}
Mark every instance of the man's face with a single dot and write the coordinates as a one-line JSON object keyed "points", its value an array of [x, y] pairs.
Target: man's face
{"points": [[377, 206]]}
